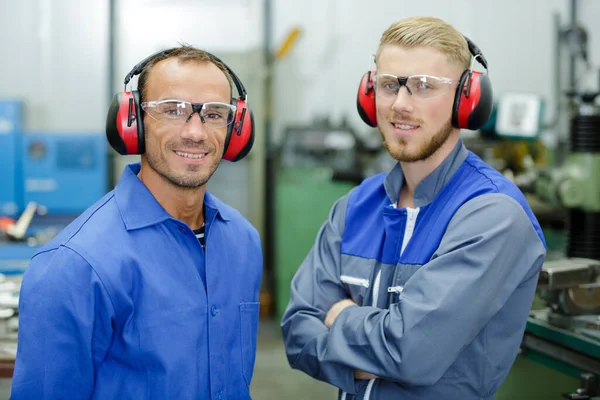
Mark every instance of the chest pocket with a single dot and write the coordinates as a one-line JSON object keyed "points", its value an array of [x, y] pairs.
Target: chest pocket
{"points": [[357, 278]]}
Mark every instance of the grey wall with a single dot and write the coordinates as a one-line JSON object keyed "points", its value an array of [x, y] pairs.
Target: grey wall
{"points": [[54, 58]]}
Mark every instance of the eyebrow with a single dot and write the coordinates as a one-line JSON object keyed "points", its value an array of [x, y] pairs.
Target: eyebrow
{"points": [[171, 98], [228, 101]]}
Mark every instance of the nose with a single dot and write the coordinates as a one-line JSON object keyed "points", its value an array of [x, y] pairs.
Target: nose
{"points": [[403, 103], [194, 129]]}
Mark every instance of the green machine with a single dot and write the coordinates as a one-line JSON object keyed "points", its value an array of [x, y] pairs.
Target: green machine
{"points": [[317, 164], [563, 330], [304, 198], [576, 185], [560, 352]]}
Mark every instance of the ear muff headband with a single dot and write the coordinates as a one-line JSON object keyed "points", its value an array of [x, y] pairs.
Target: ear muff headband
{"points": [[474, 97]]}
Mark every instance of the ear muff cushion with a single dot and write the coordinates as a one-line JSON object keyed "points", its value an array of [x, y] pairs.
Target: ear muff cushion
{"points": [[365, 101], [472, 112], [139, 119], [250, 142], [112, 132], [240, 134], [126, 137], [459, 96]]}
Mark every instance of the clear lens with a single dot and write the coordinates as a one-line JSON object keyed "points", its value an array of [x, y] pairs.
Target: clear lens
{"points": [[177, 112], [218, 114], [421, 86]]}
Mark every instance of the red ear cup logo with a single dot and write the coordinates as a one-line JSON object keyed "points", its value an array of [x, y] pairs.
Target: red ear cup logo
{"points": [[240, 135], [122, 128], [365, 100]]}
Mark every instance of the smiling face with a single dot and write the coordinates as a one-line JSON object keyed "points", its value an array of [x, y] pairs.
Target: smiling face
{"points": [[184, 156], [414, 128]]}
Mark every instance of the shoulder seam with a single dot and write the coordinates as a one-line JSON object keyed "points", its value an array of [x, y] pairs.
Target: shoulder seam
{"points": [[57, 246], [476, 168], [104, 285], [511, 200], [88, 218]]}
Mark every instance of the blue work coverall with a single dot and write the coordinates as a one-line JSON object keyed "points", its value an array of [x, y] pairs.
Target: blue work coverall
{"points": [[125, 304]]}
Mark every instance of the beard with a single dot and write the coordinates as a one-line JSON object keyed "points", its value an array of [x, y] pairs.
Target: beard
{"points": [[193, 177], [401, 151]]}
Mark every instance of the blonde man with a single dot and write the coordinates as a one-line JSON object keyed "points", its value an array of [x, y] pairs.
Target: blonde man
{"points": [[419, 284]]}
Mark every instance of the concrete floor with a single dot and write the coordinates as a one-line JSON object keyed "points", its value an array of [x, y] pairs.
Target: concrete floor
{"points": [[273, 377], [4, 389]]}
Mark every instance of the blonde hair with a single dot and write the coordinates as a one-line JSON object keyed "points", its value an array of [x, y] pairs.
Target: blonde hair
{"points": [[428, 32]]}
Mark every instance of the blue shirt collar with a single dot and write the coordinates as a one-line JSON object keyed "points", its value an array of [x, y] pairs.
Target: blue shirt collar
{"points": [[138, 207]]}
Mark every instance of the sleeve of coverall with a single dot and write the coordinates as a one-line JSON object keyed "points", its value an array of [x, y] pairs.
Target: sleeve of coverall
{"points": [[315, 288], [490, 248], [64, 328]]}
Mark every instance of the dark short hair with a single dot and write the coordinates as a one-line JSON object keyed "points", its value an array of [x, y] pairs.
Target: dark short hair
{"points": [[184, 53]]}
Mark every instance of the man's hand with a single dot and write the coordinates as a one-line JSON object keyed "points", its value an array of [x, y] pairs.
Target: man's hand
{"points": [[359, 375], [335, 310], [332, 314]]}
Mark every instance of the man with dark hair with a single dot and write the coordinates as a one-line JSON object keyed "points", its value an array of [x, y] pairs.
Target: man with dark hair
{"points": [[153, 291]]}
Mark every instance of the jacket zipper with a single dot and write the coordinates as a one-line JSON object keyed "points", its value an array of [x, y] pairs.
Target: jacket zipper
{"points": [[411, 219], [374, 304]]}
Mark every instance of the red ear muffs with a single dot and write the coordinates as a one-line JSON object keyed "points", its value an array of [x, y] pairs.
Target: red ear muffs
{"points": [[473, 101], [240, 133], [365, 100], [124, 128]]}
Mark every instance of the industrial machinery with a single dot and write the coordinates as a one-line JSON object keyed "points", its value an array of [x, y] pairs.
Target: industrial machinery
{"points": [[575, 185], [48, 179], [565, 331], [57, 176]]}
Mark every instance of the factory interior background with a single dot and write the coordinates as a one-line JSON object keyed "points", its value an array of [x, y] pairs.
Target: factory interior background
{"points": [[301, 63]]}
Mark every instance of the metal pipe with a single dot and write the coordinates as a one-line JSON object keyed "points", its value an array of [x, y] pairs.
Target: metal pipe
{"points": [[111, 79], [573, 58], [557, 72], [270, 158], [111, 47]]}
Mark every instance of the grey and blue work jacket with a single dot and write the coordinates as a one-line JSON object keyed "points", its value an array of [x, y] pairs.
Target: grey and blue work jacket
{"points": [[443, 289]]}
